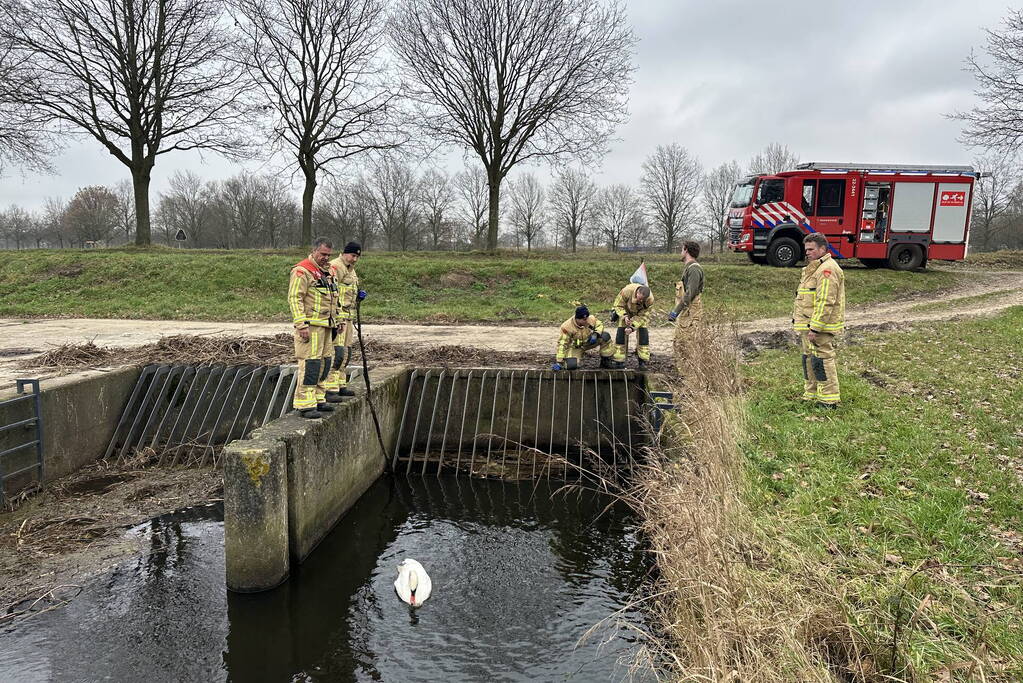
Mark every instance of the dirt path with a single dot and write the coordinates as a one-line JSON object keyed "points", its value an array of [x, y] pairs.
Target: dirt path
{"points": [[988, 293]]}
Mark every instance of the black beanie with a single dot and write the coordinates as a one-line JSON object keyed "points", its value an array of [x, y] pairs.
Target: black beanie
{"points": [[582, 312], [353, 248]]}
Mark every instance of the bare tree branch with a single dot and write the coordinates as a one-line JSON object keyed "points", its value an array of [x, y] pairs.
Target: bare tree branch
{"points": [[317, 67], [772, 159], [718, 186], [142, 77], [514, 80], [997, 122], [528, 200], [573, 202]]}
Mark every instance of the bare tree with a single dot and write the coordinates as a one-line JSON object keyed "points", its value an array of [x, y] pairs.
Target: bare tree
{"points": [[23, 139], [92, 214], [718, 186], [54, 222], [17, 227], [513, 80], [125, 194], [997, 122], [187, 206], [993, 196], [142, 77], [436, 195], [619, 210], [772, 159], [316, 64], [238, 207], [528, 201], [671, 188], [472, 189], [393, 191], [573, 199]]}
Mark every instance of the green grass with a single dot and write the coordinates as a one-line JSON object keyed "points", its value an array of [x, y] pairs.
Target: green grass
{"points": [[909, 493], [508, 287]]}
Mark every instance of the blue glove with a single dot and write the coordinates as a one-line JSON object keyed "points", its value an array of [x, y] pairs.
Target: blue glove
{"points": [[672, 316], [592, 338], [556, 366], [361, 295]]}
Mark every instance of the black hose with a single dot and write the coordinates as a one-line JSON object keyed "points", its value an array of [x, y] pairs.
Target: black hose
{"points": [[365, 378]]}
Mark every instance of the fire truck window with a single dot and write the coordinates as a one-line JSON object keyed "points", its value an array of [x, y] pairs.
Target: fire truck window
{"points": [[772, 190], [832, 198], [809, 190]]}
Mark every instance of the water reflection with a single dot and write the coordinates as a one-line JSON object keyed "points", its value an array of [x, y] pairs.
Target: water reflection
{"points": [[519, 576]]}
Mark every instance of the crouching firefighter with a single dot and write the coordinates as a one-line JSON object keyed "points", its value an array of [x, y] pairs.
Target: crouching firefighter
{"points": [[313, 299], [579, 334], [343, 270], [631, 311]]}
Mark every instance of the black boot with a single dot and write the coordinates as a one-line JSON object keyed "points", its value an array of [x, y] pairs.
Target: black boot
{"points": [[605, 363], [310, 413], [325, 407], [346, 392], [619, 365], [642, 365], [333, 397]]}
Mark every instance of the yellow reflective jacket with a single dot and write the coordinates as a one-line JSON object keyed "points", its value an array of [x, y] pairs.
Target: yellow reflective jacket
{"points": [[820, 299], [576, 336], [312, 296], [348, 286], [626, 305]]}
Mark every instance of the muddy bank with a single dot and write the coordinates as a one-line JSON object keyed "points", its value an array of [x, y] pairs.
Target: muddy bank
{"points": [[55, 539]]}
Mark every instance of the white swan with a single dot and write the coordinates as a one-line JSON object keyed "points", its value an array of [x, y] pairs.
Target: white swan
{"points": [[413, 584]]}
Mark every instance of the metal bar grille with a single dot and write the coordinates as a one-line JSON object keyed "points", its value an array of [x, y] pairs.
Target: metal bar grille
{"points": [[35, 421], [185, 413]]}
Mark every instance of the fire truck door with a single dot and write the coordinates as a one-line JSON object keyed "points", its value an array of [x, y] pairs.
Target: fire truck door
{"points": [[831, 206], [912, 207], [950, 214]]}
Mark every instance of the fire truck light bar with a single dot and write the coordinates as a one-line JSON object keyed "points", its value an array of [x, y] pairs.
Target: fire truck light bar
{"points": [[886, 168]]}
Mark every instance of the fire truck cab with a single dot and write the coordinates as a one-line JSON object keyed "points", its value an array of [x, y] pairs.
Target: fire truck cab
{"points": [[882, 214]]}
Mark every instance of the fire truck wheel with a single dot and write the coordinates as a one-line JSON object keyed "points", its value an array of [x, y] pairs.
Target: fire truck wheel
{"points": [[905, 257], [758, 259], [784, 252]]}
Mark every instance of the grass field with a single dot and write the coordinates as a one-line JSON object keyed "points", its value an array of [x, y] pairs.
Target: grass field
{"points": [[906, 497], [417, 286]]}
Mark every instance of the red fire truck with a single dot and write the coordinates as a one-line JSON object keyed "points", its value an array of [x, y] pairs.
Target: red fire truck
{"points": [[882, 214]]}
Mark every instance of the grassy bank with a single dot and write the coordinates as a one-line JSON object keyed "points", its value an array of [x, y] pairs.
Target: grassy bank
{"points": [[906, 499], [420, 286]]}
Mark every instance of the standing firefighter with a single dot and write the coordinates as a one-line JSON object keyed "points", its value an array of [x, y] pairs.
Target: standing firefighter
{"points": [[688, 311], [579, 334], [343, 270], [818, 315], [313, 299], [631, 311]]}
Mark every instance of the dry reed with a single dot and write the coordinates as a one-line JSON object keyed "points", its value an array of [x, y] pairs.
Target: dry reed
{"points": [[731, 601]]}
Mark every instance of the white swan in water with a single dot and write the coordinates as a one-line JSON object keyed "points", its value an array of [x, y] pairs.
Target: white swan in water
{"points": [[413, 584]]}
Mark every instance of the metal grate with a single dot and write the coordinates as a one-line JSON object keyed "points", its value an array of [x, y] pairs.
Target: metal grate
{"points": [[517, 423], [35, 422], [184, 412]]}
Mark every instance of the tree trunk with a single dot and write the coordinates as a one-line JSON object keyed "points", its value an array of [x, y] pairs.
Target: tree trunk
{"points": [[140, 177], [307, 204], [494, 186]]}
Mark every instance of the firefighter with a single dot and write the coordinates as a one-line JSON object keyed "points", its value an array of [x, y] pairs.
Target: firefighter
{"points": [[313, 299], [818, 315], [343, 270], [579, 334], [688, 311], [631, 310]]}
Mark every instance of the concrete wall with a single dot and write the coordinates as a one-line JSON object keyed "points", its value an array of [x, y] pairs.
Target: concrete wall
{"points": [[319, 467], [79, 415]]}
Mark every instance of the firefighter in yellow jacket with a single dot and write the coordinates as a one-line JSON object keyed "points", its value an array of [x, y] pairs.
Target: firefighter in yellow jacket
{"points": [[578, 335], [818, 315], [313, 300], [631, 311], [688, 310], [343, 270]]}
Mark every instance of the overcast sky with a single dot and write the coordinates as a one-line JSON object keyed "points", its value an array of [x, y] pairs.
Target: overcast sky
{"points": [[835, 81]]}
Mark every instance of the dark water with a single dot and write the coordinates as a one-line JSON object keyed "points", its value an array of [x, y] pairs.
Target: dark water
{"points": [[518, 579]]}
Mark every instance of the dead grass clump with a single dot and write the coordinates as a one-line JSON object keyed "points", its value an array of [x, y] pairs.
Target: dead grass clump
{"points": [[73, 356], [732, 601]]}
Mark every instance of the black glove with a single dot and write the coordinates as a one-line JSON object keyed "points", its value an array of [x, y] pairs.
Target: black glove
{"points": [[614, 316]]}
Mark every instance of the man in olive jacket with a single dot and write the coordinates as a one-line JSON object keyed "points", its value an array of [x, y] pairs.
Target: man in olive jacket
{"points": [[817, 316]]}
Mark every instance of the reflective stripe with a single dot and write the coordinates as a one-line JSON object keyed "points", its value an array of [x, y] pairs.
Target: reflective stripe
{"points": [[295, 301]]}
